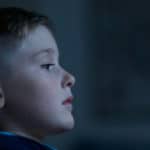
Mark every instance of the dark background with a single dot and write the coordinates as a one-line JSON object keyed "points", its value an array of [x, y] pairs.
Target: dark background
{"points": [[106, 45]]}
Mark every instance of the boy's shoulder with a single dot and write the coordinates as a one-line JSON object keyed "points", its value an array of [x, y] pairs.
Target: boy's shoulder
{"points": [[9, 141]]}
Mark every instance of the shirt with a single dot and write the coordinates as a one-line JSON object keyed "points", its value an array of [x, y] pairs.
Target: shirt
{"points": [[11, 141]]}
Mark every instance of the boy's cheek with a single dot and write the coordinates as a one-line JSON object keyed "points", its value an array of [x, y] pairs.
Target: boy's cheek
{"points": [[28, 87]]}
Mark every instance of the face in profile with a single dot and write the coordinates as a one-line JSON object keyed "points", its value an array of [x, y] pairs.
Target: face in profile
{"points": [[38, 87]]}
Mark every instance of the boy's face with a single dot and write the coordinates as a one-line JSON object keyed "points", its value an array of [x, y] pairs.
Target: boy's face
{"points": [[35, 92]]}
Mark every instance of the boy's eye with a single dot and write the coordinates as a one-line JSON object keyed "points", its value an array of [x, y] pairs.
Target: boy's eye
{"points": [[47, 66]]}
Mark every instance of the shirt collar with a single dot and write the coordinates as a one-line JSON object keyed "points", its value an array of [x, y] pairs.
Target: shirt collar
{"points": [[13, 134]]}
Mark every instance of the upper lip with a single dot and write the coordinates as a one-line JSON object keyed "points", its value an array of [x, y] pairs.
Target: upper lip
{"points": [[68, 100]]}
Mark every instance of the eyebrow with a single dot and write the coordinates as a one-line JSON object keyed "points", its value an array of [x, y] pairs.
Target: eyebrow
{"points": [[48, 51]]}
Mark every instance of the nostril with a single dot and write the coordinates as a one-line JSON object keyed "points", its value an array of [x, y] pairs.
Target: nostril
{"points": [[69, 80], [72, 81], [69, 84]]}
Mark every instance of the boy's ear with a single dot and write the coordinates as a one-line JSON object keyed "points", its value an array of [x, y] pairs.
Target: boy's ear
{"points": [[2, 98]]}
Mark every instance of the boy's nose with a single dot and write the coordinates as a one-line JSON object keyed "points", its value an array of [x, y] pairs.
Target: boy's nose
{"points": [[68, 80]]}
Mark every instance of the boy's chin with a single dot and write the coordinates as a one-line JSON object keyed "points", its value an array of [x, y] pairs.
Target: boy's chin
{"points": [[70, 125], [66, 126]]}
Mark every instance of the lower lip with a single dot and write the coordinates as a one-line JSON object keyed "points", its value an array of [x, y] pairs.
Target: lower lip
{"points": [[69, 106]]}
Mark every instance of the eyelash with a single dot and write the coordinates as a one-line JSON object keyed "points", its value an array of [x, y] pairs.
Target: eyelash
{"points": [[46, 66]]}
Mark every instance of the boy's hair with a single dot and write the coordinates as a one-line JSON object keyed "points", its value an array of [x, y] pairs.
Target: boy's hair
{"points": [[17, 22]]}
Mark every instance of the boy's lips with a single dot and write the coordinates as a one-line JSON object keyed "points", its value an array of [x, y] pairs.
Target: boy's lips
{"points": [[68, 100]]}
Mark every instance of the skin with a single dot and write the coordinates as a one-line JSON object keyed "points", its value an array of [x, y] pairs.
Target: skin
{"points": [[32, 95]]}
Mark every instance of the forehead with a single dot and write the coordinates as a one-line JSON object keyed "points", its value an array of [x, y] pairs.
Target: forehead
{"points": [[39, 41]]}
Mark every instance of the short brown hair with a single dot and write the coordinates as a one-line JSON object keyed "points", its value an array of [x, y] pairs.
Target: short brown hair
{"points": [[17, 22]]}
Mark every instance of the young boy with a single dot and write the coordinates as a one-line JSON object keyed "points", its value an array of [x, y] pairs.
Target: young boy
{"points": [[35, 90]]}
